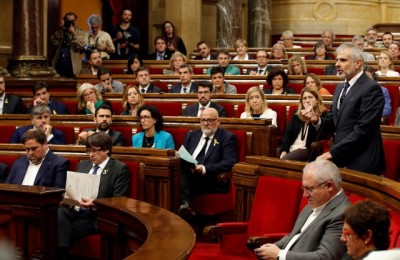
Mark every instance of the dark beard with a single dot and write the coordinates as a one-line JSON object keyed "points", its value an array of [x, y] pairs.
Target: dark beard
{"points": [[103, 127]]}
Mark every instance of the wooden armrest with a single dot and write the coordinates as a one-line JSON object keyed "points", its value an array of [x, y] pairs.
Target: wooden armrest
{"points": [[257, 241], [212, 232]]}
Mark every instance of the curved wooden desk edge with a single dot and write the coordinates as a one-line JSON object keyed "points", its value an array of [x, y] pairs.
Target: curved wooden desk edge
{"points": [[167, 235]]}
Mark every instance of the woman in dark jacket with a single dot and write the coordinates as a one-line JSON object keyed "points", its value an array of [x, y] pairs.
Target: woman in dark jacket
{"points": [[173, 41]]}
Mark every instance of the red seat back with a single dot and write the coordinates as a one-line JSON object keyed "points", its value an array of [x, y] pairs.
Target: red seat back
{"points": [[178, 134], [167, 108], [280, 117], [391, 148], [134, 177], [241, 144], [69, 133], [7, 131]]}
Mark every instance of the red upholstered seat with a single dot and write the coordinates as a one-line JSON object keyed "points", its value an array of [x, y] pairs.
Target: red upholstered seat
{"points": [[6, 133], [229, 109], [391, 148], [72, 106], [69, 133], [266, 218], [315, 70], [8, 159], [281, 118], [178, 134], [167, 108], [126, 132]]}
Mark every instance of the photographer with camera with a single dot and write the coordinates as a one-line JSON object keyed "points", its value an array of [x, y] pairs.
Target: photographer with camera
{"points": [[96, 39], [126, 37], [69, 41]]}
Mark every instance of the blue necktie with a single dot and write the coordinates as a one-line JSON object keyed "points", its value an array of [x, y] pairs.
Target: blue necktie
{"points": [[344, 92], [95, 169], [201, 155]]}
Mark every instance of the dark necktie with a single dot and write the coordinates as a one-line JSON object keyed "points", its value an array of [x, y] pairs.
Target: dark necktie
{"points": [[95, 169], [344, 92], [260, 72], [143, 90], [201, 155], [160, 57], [184, 90]]}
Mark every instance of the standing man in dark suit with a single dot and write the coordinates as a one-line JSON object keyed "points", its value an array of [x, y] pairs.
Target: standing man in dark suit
{"points": [[316, 233], [41, 95], [143, 80], [215, 151], [40, 116], [40, 166], [161, 53], [185, 76], [355, 116], [205, 52], [78, 222], [204, 89], [262, 61], [103, 120], [9, 104]]}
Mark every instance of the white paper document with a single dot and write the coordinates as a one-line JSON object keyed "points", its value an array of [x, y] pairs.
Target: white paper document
{"points": [[81, 185], [185, 155]]}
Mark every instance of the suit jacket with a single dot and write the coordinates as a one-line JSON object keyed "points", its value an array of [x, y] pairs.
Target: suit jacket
{"points": [[56, 108], [153, 56], [358, 141], [265, 72], [192, 110], [212, 57], [153, 89], [16, 138], [52, 172], [13, 105], [221, 154], [177, 88], [114, 180], [87, 70], [4, 170], [285, 91], [117, 137], [330, 70], [321, 239], [162, 140]]}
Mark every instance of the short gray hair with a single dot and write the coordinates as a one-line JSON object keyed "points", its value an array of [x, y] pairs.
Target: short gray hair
{"points": [[324, 170], [94, 19], [287, 33], [330, 31], [39, 110], [356, 52]]}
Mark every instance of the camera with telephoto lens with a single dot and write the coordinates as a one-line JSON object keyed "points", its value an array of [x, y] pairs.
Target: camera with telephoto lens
{"points": [[67, 24]]}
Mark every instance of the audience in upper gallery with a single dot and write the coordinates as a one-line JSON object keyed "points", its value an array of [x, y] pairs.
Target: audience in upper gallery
{"points": [[277, 81], [205, 52], [152, 136], [359, 41], [319, 52], [40, 166], [9, 104], [394, 50], [173, 41], [387, 39], [300, 141], [40, 118], [103, 120], [107, 83], [257, 106], [224, 59], [185, 77], [176, 60], [287, 40], [397, 120], [161, 52], [134, 63], [241, 50], [95, 63], [69, 40], [297, 66], [96, 39], [41, 96], [328, 36], [278, 52], [316, 233], [204, 94], [262, 64], [312, 81], [387, 109], [366, 228], [143, 81], [371, 38], [219, 84], [385, 65], [132, 100], [214, 149], [126, 37], [89, 99]]}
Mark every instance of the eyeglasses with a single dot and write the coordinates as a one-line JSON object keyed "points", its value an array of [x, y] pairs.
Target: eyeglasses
{"points": [[144, 118], [207, 120], [347, 233], [88, 94], [262, 57], [93, 150], [311, 189]]}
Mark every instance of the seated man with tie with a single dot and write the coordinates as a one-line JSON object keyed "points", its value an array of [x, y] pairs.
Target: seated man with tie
{"points": [[143, 81], [262, 61], [161, 52], [316, 233], [214, 149], [78, 222], [40, 166], [185, 76], [204, 94]]}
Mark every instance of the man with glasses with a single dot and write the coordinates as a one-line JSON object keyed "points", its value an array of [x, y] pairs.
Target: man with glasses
{"points": [[204, 93], [77, 222], [214, 149], [262, 61], [107, 84], [40, 166], [103, 120], [316, 233]]}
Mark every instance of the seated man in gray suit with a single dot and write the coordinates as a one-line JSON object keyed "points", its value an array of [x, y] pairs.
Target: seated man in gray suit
{"points": [[103, 120], [204, 89], [316, 233], [77, 222]]}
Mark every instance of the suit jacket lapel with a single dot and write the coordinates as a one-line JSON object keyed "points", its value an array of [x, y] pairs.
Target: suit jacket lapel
{"points": [[196, 140], [104, 176], [43, 168], [213, 144]]}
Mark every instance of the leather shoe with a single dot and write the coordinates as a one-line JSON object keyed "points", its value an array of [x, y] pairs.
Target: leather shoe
{"points": [[185, 211]]}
